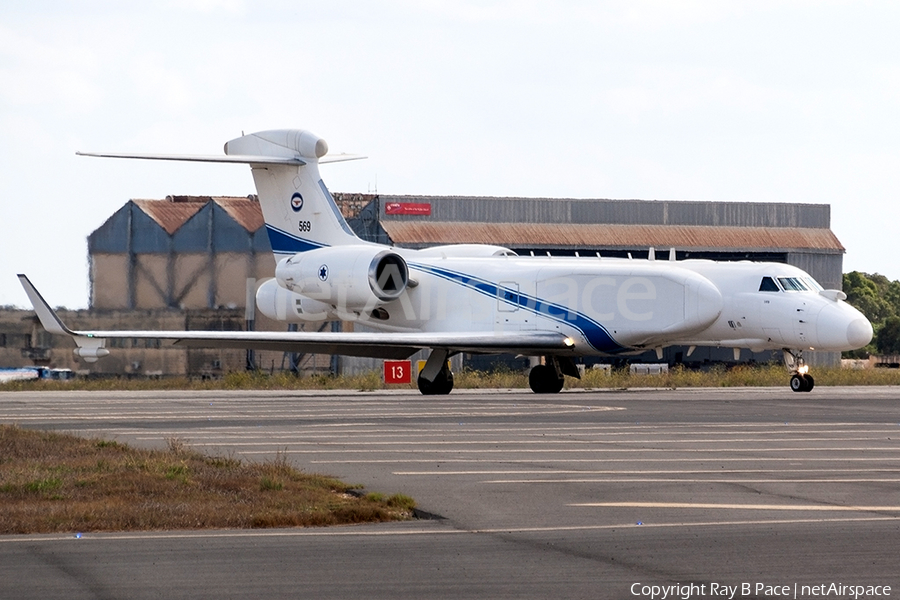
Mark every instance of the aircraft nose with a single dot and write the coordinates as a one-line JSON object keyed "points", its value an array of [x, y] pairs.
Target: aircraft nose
{"points": [[842, 327], [859, 332]]}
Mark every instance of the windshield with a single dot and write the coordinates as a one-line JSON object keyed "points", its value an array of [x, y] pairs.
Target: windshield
{"points": [[813, 284], [793, 284]]}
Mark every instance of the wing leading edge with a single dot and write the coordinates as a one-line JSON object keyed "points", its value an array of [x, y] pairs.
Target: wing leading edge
{"points": [[91, 344]]}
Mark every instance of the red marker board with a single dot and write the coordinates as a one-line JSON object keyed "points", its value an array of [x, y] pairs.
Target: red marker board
{"points": [[397, 371]]}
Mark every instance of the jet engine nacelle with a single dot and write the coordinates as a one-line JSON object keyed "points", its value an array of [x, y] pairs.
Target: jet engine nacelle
{"points": [[348, 278], [280, 304]]}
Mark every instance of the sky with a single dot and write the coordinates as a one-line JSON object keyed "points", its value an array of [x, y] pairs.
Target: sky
{"points": [[783, 101]]}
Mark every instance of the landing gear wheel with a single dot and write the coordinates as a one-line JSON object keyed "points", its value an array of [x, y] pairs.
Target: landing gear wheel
{"points": [[441, 385], [544, 380], [802, 382]]}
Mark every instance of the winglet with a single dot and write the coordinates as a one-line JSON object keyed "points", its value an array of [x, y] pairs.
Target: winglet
{"points": [[47, 315], [89, 348]]}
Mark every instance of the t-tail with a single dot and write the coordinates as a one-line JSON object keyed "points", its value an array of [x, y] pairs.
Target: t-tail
{"points": [[299, 211]]}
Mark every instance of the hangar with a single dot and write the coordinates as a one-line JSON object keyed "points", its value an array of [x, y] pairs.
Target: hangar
{"points": [[193, 261], [797, 234]]}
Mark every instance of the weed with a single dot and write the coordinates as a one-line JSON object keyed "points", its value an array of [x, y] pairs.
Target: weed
{"points": [[401, 501], [267, 484], [176, 445], [178, 472], [43, 485]]}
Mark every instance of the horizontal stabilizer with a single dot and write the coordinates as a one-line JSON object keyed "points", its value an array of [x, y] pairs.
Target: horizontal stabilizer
{"points": [[249, 159], [214, 158]]}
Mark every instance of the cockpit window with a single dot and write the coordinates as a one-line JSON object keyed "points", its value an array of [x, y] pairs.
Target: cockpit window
{"points": [[793, 284], [768, 285], [813, 284]]}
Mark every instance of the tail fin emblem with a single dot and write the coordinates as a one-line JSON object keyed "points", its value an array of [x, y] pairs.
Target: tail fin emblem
{"points": [[296, 202]]}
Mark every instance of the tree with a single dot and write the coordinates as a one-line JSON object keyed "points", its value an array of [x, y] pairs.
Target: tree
{"points": [[887, 341], [874, 295]]}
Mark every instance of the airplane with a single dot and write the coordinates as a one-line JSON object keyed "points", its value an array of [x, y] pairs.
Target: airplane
{"points": [[486, 299]]}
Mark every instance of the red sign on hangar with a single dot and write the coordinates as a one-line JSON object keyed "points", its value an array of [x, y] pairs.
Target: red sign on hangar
{"points": [[408, 208]]}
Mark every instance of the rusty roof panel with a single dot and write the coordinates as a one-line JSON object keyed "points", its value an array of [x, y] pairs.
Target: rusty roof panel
{"points": [[246, 212], [175, 211], [426, 233], [169, 215]]}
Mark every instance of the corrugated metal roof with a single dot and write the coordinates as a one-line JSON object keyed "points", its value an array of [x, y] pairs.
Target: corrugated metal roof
{"points": [[422, 233], [175, 211], [246, 212], [169, 215]]}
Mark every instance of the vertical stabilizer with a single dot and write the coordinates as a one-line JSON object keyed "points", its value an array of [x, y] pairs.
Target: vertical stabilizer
{"points": [[299, 211]]}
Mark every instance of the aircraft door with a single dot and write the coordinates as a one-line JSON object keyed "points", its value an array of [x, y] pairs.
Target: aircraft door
{"points": [[512, 309]]}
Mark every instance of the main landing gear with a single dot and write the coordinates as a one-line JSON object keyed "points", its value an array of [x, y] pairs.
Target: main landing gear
{"points": [[436, 378], [801, 380], [548, 377], [441, 385]]}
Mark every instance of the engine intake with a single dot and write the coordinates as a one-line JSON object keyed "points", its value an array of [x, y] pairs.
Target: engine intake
{"points": [[388, 276]]}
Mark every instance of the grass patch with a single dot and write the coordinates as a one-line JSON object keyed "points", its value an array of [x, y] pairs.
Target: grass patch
{"points": [[50, 483], [768, 375], [677, 377]]}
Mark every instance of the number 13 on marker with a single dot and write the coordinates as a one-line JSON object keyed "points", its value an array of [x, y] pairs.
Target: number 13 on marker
{"points": [[397, 371]]}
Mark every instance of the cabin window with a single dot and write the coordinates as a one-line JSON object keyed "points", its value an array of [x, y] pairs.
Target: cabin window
{"points": [[768, 285], [793, 284]]}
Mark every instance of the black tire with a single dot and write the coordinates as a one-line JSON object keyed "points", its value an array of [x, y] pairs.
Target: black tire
{"points": [[798, 383], [442, 384], [543, 380], [810, 383]]}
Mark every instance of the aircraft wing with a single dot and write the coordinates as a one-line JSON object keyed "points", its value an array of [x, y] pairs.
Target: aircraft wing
{"points": [[91, 344]]}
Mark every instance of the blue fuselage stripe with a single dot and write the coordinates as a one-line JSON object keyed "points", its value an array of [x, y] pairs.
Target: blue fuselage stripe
{"points": [[595, 333], [285, 243]]}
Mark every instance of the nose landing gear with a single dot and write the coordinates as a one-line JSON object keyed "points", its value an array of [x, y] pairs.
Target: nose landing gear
{"points": [[801, 380]]}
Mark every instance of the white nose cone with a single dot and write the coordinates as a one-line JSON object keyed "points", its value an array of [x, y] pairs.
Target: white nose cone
{"points": [[842, 327], [859, 333]]}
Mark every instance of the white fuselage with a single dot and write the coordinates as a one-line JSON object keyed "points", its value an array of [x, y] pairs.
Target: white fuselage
{"points": [[606, 306]]}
